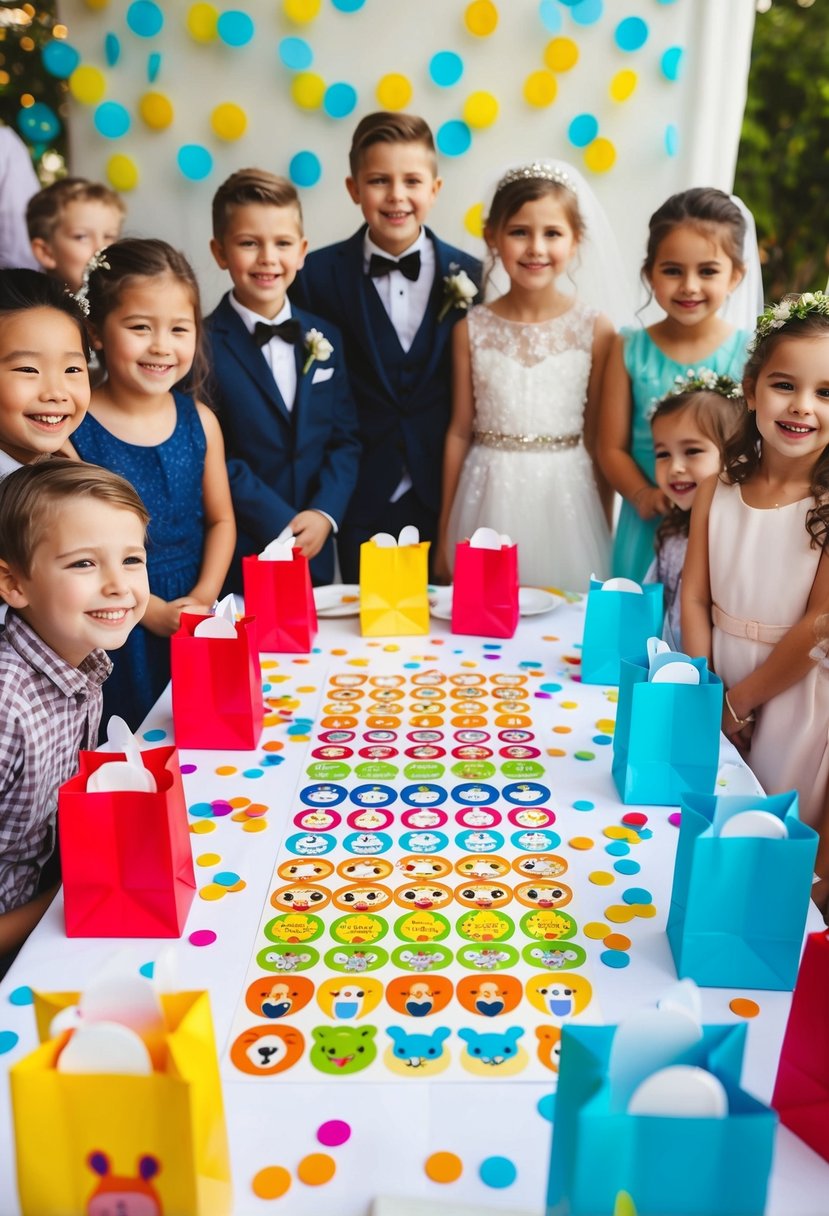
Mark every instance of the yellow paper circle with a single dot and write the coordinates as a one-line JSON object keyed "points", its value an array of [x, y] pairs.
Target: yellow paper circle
{"points": [[480, 109], [96, 5], [481, 18], [473, 221], [600, 155], [540, 88], [561, 54], [229, 121], [623, 84], [308, 90], [122, 172], [156, 111], [87, 85], [394, 92], [201, 22], [301, 11]]}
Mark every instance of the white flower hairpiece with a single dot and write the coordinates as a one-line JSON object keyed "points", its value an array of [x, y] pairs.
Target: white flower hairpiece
{"points": [[790, 308], [699, 379], [81, 296]]}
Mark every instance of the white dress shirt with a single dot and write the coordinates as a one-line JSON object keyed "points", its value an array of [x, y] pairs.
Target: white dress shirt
{"points": [[405, 301], [18, 182], [279, 355]]}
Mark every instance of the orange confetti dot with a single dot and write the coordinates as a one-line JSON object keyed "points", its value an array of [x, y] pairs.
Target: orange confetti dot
{"points": [[237, 886], [743, 1007], [226, 770], [300, 662], [443, 1167], [595, 930], [617, 941], [255, 809], [580, 842], [271, 720], [339, 650], [273, 745], [468, 663], [239, 817], [271, 1182], [316, 1169], [556, 751], [601, 878], [550, 637], [562, 730]]}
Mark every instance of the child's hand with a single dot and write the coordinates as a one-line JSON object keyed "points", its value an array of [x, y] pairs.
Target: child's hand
{"points": [[737, 730], [162, 618], [650, 501], [311, 530]]}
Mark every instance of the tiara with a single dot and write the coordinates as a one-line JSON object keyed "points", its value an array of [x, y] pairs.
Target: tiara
{"points": [[703, 379], [81, 296], [537, 170], [790, 308]]}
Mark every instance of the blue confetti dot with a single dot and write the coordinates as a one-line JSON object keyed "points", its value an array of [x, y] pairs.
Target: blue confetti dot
{"points": [[550, 687], [147, 970], [602, 740], [253, 772], [631, 34], [415, 665], [235, 28], [497, 1172], [152, 736], [296, 54], [22, 996], [112, 49], [615, 958], [546, 1107], [38, 123], [304, 170], [491, 646], [60, 59], [112, 120], [201, 810], [446, 68], [272, 760], [671, 62], [587, 12], [643, 833], [617, 849], [453, 138], [226, 878], [671, 139], [8, 1041], [626, 867], [583, 805], [570, 3], [153, 66], [348, 6], [194, 161], [550, 15], [145, 18], [637, 895], [339, 100]]}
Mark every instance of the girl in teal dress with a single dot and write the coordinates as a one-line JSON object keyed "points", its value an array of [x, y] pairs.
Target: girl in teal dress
{"points": [[694, 260]]}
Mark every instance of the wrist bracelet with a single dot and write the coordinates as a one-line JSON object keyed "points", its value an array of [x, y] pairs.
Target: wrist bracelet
{"points": [[740, 721]]}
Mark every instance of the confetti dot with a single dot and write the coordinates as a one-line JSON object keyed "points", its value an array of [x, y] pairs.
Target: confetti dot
{"points": [[202, 937], [201, 809], [621, 833], [581, 842], [112, 120], [253, 773], [480, 109], [453, 139], [145, 18], [316, 1169], [631, 34], [602, 740], [235, 28], [394, 92], [228, 121], [255, 825], [617, 941], [189, 768], [497, 1172], [481, 18], [626, 867], [226, 770], [202, 826], [587, 12], [60, 59], [301, 11], [569, 704], [221, 807], [208, 859], [623, 85], [546, 1107], [304, 170], [339, 101], [443, 1167], [671, 63], [617, 849], [473, 221], [333, 1133], [201, 22], [743, 1007], [255, 810], [226, 878], [615, 958], [8, 1041], [87, 85], [583, 130], [271, 1183], [601, 878], [556, 751], [22, 996], [595, 930], [308, 90], [637, 895], [635, 819], [619, 914], [348, 6], [147, 969], [194, 161], [122, 173], [600, 155], [561, 54], [562, 730], [297, 55], [540, 89], [585, 755], [675, 819], [445, 68], [212, 892], [671, 139]]}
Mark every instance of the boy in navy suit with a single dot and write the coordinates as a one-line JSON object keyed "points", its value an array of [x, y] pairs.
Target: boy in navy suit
{"points": [[280, 384], [395, 291]]}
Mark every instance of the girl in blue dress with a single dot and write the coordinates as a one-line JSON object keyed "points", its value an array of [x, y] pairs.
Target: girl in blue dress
{"points": [[694, 260], [145, 320]]}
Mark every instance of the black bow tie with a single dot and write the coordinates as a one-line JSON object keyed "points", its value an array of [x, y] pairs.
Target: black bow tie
{"points": [[409, 266], [289, 331]]}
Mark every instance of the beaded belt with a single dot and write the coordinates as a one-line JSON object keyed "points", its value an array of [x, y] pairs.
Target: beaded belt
{"points": [[755, 631], [525, 443]]}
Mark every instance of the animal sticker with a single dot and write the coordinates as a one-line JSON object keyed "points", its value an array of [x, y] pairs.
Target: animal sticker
{"points": [[418, 998], [274, 998], [264, 1051], [340, 1051], [347, 999], [416, 1054], [493, 1053], [118, 1195]]}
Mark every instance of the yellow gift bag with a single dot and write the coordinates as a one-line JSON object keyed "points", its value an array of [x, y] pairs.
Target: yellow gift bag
{"points": [[394, 599], [154, 1144]]}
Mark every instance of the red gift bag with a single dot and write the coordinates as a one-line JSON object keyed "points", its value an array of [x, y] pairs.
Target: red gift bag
{"points": [[217, 687], [801, 1091], [125, 856], [485, 593], [280, 596]]}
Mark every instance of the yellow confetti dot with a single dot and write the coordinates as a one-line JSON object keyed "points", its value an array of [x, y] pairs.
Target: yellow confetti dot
{"points": [[481, 18], [468, 663], [122, 172], [645, 911], [621, 833], [595, 930], [443, 1167], [239, 817], [308, 90], [360, 662], [255, 825], [201, 22], [237, 886], [394, 92], [623, 85], [561, 54], [581, 842], [392, 647], [271, 1182], [208, 859], [600, 155], [226, 770], [569, 704], [307, 688], [339, 650], [550, 637], [562, 730], [617, 941], [473, 221], [620, 914], [540, 89], [612, 695], [316, 1169], [212, 891], [480, 110], [271, 720], [156, 110], [229, 121], [301, 11], [606, 726], [556, 751], [202, 827], [601, 878]]}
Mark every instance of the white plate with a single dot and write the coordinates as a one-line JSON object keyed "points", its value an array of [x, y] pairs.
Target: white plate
{"points": [[532, 601], [337, 599]]}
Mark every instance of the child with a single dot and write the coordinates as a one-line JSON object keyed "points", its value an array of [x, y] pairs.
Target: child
{"points": [[283, 395], [690, 427], [70, 221], [395, 291], [73, 570], [694, 259], [145, 320], [527, 376], [756, 574]]}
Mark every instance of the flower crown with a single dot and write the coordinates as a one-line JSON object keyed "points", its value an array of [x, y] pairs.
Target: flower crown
{"points": [[537, 169], [790, 308], [704, 379], [81, 296]]}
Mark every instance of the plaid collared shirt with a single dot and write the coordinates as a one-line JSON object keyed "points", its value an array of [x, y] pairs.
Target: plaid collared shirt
{"points": [[49, 710]]}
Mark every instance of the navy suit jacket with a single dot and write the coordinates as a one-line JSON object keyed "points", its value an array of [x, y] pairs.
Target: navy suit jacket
{"points": [[282, 461], [403, 402]]}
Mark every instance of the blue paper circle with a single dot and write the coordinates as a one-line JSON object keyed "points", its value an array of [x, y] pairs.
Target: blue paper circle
{"points": [[583, 130], [587, 12], [497, 1172], [112, 49], [550, 15], [546, 1107], [194, 161], [339, 100], [671, 62], [155, 735], [147, 969], [453, 138], [305, 169], [112, 120], [631, 34], [153, 66], [296, 54], [348, 6], [235, 28], [38, 123], [617, 959], [22, 996], [626, 866], [145, 18], [8, 1041], [60, 58], [637, 895], [570, 3], [671, 139], [446, 68]]}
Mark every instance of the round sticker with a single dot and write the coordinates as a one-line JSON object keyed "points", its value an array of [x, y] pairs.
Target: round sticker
{"points": [[471, 751], [549, 1046], [511, 693], [421, 958], [508, 679], [537, 817], [359, 928], [479, 840], [424, 770], [337, 736], [416, 998], [540, 866], [462, 708], [433, 678], [548, 925], [473, 770], [482, 866], [380, 736], [423, 795], [300, 897], [345, 694], [483, 895], [425, 736], [364, 844], [511, 707], [554, 958], [421, 927], [535, 841], [287, 959], [330, 752], [389, 681], [424, 842], [341, 1051], [361, 897], [311, 870], [467, 679], [487, 958], [474, 793], [273, 998], [489, 997], [354, 960], [485, 926], [469, 721], [516, 736], [425, 709], [478, 817], [519, 751], [322, 794], [423, 895], [557, 996], [425, 751], [339, 722], [513, 720], [310, 844], [430, 694], [370, 820], [376, 770], [293, 928], [264, 1051], [373, 795], [544, 894], [471, 736], [386, 695], [424, 817], [369, 869], [378, 751], [383, 722], [488, 1051], [526, 793], [419, 866], [345, 679], [317, 821], [474, 693], [523, 768], [350, 999]]}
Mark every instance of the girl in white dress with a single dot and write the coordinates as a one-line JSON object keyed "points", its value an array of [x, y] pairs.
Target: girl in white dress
{"points": [[527, 378]]}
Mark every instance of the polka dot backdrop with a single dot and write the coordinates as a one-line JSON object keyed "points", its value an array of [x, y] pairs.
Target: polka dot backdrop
{"points": [[637, 100]]}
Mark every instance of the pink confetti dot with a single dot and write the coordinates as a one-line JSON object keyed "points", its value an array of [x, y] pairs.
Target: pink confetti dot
{"points": [[675, 818], [202, 937], [334, 1132]]}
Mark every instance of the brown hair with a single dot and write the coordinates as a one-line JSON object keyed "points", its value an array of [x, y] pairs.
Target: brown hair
{"points": [[124, 262], [512, 196], [705, 209], [387, 127], [29, 496], [45, 209], [252, 186], [718, 418], [22, 289], [744, 453]]}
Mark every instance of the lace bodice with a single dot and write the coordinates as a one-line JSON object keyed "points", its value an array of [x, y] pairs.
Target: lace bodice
{"points": [[531, 378]]}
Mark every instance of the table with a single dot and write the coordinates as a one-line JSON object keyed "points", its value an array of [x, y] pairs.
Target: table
{"points": [[396, 1126]]}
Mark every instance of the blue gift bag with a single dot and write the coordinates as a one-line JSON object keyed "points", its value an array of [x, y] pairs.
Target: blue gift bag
{"points": [[617, 626], [668, 1166], [739, 904], [667, 737]]}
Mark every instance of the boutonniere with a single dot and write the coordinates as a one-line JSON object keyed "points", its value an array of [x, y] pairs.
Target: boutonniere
{"points": [[458, 292], [317, 349]]}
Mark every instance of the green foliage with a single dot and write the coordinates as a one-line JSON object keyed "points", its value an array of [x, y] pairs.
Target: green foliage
{"points": [[783, 161]]}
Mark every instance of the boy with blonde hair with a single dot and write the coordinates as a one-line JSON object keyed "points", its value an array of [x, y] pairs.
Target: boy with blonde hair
{"points": [[70, 221]]}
